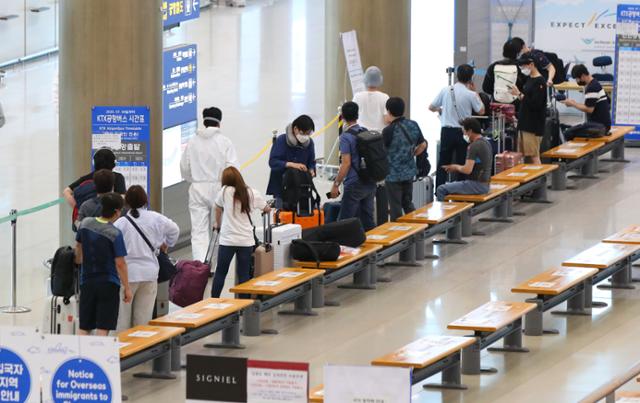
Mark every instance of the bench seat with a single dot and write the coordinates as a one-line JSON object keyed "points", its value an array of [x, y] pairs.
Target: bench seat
{"points": [[496, 189], [572, 150], [316, 394], [524, 173], [629, 235], [405, 239], [144, 343]]}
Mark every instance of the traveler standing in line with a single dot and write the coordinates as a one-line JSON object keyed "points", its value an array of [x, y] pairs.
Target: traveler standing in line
{"points": [[371, 103], [142, 262], [357, 200], [293, 149], [477, 165], [100, 249], [206, 155], [104, 158], [455, 103], [510, 53], [533, 109], [234, 205], [103, 180], [404, 141]]}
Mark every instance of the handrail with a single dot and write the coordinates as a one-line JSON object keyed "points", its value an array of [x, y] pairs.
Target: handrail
{"points": [[608, 389]]}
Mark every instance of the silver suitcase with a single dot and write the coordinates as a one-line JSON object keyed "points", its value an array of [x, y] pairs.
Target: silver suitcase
{"points": [[422, 192]]}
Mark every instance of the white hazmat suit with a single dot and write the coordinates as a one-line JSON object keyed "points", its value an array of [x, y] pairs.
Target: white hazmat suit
{"points": [[207, 154]]}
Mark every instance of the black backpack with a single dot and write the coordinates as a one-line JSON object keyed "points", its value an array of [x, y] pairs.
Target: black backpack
{"points": [[558, 64], [63, 271], [299, 194], [374, 166]]}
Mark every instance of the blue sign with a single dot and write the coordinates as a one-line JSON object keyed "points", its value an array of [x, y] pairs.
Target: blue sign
{"points": [[125, 130], [180, 86], [626, 109], [80, 380], [176, 11], [15, 379]]}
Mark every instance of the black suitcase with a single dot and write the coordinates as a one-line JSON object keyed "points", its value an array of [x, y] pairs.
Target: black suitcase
{"points": [[382, 205], [347, 232]]}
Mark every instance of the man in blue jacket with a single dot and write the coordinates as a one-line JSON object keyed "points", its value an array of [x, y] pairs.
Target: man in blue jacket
{"points": [[293, 149]]}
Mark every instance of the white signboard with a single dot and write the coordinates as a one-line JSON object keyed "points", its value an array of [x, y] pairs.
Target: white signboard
{"points": [[80, 369], [352, 58], [355, 384], [19, 364], [272, 382]]}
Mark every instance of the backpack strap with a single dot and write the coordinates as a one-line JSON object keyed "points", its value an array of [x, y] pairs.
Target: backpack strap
{"points": [[146, 240], [453, 99]]}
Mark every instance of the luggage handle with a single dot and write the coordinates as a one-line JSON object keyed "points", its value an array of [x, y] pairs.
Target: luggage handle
{"points": [[267, 235], [212, 246]]}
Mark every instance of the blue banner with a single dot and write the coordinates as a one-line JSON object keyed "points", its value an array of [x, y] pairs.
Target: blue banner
{"points": [[180, 85], [125, 130], [626, 109], [176, 11]]}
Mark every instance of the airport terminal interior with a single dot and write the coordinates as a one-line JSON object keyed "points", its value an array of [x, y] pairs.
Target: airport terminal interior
{"points": [[264, 63]]}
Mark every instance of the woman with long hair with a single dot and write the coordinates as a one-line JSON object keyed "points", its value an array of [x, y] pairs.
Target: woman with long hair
{"points": [[234, 205], [143, 265]]}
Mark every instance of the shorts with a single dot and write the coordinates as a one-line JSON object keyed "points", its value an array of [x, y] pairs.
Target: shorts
{"points": [[99, 306], [529, 144]]}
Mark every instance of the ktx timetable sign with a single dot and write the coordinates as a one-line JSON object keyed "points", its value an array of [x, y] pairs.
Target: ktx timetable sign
{"points": [[176, 11]]}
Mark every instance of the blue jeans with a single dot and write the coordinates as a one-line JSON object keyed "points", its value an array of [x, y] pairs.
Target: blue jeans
{"points": [[461, 188], [243, 266], [357, 201]]}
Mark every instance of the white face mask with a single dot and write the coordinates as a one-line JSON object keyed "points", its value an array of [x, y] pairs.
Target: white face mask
{"points": [[302, 138], [526, 71], [466, 138]]}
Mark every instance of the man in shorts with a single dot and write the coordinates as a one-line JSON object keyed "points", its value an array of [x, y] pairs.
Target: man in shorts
{"points": [[100, 249]]}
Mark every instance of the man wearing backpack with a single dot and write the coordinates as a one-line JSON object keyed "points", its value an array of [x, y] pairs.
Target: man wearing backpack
{"points": [[359, 193], [404, 141], [503, 74]]}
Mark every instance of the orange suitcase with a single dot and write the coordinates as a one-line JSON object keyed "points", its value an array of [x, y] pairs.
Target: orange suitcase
{"points": [[289, 217]]}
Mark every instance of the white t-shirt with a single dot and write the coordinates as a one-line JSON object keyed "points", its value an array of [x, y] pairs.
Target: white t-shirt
{"points": [[236, 229], [372, 107], [142, 263]]}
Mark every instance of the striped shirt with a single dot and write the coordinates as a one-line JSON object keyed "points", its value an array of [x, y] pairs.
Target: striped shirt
{"points": [[596, 98]]}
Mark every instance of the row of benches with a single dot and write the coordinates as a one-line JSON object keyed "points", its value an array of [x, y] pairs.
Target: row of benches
{"points": [[495, 320], [162, 339]]}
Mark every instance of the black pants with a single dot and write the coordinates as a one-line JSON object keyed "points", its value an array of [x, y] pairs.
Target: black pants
{"points": [[400, 198], [452, 145]]}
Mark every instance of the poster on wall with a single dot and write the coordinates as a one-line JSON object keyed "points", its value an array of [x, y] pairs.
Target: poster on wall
{"points": [[587, 29], [626, 108], [176, 11], [80, 369], [353, 61], [272, 382], [20, 360], [357, 384], [125, 130], [509, 18]]}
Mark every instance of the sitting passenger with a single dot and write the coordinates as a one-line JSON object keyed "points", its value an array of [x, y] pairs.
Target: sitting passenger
{"points": [[477, 165]]}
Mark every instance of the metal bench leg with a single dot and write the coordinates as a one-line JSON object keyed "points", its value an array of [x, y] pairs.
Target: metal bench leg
{"points": [[301, 306], [363, 279], [420, 243], [621, 280], [588, 297], [471, 360], [617, 153], [539, 195], [454, 236], [317, 292], [589, 170], [559, 178], [534, 322], [161, 368], [467, 227], [575, 306], [176, 355], [451, 378], [375, 277], [230, 338], [251, 320], [500, 212], [408, 256], [512, 343]]}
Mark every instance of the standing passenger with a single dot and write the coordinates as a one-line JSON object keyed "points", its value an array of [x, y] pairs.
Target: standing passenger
{"points": [[371, 103], [206, 155]]}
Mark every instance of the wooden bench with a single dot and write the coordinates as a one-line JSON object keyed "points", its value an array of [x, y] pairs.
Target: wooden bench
{"points": [[552, 288], [530, 178], [145, 343], [429, 356], [498, 199], [398, 237], [573, 155], [203, 319], [614, 142], [612, 260], [627, 397], [362, 265], [491, 322], [629, 235], [277, 288], [441, 217], [316, 394]]}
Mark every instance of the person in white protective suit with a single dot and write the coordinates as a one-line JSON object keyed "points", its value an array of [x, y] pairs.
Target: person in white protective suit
{"points": [[207, 154]]}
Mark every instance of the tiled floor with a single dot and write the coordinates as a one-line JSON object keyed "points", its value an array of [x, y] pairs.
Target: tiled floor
{"points": [[255, 65]]}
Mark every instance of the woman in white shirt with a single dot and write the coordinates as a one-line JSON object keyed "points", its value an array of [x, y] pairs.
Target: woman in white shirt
{"points": [[234, 205], [371, 103], [141, 260]]}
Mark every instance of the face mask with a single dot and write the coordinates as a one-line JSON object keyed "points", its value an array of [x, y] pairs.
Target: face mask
{"points": [[526, 71], [582, 83], [466, 138], [302, 138]]}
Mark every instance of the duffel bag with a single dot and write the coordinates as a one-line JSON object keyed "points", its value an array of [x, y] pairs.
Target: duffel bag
{"points": [[347, 232], [314, 251]]}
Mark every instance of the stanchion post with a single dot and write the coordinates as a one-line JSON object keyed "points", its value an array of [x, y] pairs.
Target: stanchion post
{"points": [[14, 308]]}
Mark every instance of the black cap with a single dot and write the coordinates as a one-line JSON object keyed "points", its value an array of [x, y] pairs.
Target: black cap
{"points": [[212, 115], [526, 58]]}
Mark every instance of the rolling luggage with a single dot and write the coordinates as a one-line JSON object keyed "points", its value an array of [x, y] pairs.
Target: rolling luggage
{"points": [[382, 205], [331, 211], [60, 317], [422, 191], [507, 160], [347, 232], [291, 217], [263, 256], [64, 281], [552, 136], [188, 285]]}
